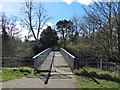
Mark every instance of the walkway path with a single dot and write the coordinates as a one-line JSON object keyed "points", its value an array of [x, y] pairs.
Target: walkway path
{"points": [[46, 64], [61, 76]]}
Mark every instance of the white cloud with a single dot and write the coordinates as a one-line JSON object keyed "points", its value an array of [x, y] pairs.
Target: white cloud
{"points": [[47, 24], [68, 1], [87, 2], [23, 31], [1, 8], [13, 1], [44, 27]]}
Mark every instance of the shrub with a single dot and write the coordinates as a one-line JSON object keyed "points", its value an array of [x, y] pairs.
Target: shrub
{"points": [[79, 50]]}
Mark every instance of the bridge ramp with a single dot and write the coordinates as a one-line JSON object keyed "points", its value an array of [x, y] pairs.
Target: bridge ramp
{"points": [[61, 75]]}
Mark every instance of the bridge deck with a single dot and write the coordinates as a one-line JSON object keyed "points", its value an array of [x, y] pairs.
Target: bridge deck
{"points": [[59, 60], [61, 75], [46, 64]]}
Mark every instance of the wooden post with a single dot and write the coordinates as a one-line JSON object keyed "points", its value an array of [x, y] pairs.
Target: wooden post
{"points": [[101, 64], [86, 63]]}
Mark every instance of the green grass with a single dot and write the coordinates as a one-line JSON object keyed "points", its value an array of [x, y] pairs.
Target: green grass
{"points": [[17, 72], [84, 81], [99, 71]]}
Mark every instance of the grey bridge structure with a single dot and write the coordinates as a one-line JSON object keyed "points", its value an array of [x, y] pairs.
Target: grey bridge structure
{"points": [[39, 58], [55, 62]]}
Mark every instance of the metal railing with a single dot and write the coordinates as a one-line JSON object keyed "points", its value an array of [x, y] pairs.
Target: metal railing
{"points": [[68, 57], [39, 58]]}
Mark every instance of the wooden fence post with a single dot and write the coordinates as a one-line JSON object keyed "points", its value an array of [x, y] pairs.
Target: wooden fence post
{"points": [[101, 64]]}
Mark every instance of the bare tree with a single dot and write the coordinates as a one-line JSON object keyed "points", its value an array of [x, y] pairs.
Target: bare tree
{"points": [[76, 22], [3, 23], [118, 30], [35, 17], [9, 34], [9, 26], [101, 18], [76, 28], [12, 29]]}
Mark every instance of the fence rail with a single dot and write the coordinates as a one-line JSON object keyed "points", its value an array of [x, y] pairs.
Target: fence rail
{"points": [[97, 63], [17, 61], [102, 63]]}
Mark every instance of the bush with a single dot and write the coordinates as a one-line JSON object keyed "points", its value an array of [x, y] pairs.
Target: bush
{"points": [[37, 48], [79, 50], [25, 49]]}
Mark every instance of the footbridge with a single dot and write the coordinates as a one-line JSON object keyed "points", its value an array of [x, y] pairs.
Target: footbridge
{"points": [[57, 65], [48, 55]]}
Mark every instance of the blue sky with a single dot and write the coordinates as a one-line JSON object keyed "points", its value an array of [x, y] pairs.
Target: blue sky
{"points": [[56, 10], [61, 10]]}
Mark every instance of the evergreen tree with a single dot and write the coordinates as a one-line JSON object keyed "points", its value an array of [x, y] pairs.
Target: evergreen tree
{"points": [[49, 37]]}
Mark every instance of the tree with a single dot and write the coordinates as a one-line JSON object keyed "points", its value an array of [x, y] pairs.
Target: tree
{"points": [[118, 30], [76, 21], [102, 19], [76, 28], [4, 25], [65, 27], [9, 26], [79, 27], [9, 34], [49, 37], [12, 29], [35, 17]]}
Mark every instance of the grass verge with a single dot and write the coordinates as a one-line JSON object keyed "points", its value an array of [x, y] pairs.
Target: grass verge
{"points": [[16, 72], [96, 78]]}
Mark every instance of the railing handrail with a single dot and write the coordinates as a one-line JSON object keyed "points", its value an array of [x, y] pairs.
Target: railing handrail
{"points": [[40, 53], [70, 59], [39, 58], [68, 53]]}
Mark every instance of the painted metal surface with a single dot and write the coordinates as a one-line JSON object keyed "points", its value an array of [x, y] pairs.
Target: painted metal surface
{"points": [[69, 58], [39, 58]]}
